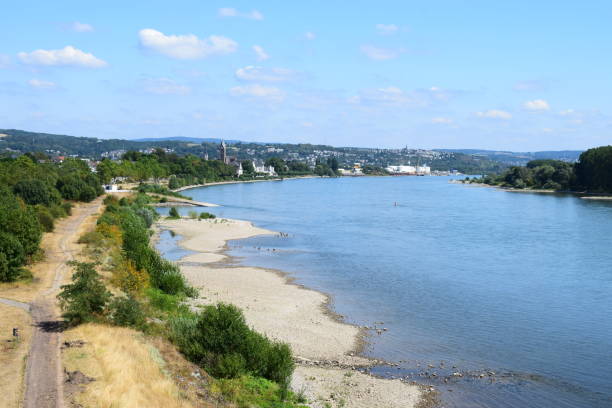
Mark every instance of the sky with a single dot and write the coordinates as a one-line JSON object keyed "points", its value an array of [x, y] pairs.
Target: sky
{"points": [[514, 75]]}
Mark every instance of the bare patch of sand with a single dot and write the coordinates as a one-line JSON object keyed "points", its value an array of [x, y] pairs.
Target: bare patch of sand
{"points": [[286, 312]]}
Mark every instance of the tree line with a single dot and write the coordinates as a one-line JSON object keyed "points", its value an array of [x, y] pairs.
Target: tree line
{"points": [[33, 194], [592, 173]]}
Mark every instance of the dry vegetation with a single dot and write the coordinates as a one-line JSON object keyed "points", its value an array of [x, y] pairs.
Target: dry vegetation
{"points": [[13, 354], [127, 370]]}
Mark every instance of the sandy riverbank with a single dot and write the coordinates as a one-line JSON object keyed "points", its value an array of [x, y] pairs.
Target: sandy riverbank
{"points": [[290, 313], [218, 183]]}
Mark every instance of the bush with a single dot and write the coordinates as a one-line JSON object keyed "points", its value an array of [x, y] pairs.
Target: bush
{"points": [[45, 218], [87, 194], [207, 215], [67, 207], [219, 339], [12, 257], [126, 311], [36, 192], [85, 299], [193, 215], [174, 214]]}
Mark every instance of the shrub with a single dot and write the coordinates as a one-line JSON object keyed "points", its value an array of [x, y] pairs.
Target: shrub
{"points": [[126, 311], [36, 192], [85, 299], [219, 339], [174, 214], [129, 279], [88, 194], [162, 301], [12, 257], [207, 215], [45, 218], [67, 206]]}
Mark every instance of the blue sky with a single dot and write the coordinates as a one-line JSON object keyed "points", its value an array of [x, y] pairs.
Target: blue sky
{"points": [[518, 75]]}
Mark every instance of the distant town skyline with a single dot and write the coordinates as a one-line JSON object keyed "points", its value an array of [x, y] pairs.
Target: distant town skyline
{"points": [[519, 76]]}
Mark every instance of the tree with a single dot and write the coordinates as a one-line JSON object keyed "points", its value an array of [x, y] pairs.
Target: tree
{"points": [[594, 169], [248, 168], [173, 183], [173, 213], [12, 257], [20, 220], [279, 164], [85, 299], [36, 192]]}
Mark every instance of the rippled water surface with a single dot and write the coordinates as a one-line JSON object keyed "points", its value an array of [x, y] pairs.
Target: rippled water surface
{"points": [[467, 280]]}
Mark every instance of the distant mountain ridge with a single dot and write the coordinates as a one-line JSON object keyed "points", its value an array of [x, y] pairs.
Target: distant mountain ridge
{"points": [[468, 161], [514, 158], [184, 139]]}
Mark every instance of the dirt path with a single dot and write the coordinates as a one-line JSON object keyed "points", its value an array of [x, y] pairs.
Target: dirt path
{"points": [[43, 378]]}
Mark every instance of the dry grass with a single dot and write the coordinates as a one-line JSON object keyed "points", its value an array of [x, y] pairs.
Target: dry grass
{"points": [[13, 354], [128, 372]]}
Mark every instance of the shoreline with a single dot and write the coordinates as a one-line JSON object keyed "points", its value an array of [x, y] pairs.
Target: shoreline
{"points": [[326, 349], [584, 195], [219, 183]]}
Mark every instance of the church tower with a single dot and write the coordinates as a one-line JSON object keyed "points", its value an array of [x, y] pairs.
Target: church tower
{"points": [[223, 152]]}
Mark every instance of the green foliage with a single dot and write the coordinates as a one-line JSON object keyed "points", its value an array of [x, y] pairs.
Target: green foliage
{"points": [[594, 170], [544, 174], [85, 299], [159, 189], [126, 311], [12, 256], [173, 183], [173, 213], [36, 192], [193, 215], [249, 391], [248, 168], [45, 218], [206, 215], [219, 339], [19, 220]]}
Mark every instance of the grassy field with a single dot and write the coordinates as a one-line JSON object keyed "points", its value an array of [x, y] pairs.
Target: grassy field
{"points": [[13, 353]]}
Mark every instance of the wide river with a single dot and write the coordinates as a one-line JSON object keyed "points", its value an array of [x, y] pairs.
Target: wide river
{"points": [[515, 288]]}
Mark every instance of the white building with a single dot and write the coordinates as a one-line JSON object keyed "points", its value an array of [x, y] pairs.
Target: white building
{"points": [[409, 170], [263, 169]]}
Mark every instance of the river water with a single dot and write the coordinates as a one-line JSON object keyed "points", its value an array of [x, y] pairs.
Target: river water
{"points": [[505, 297]]}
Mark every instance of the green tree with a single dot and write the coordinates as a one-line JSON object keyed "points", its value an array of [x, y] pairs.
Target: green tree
{"points": [[248, 168], [85, 299], [36, 192], [279, 164], [594, 169], [12, 257], [20, 220]]}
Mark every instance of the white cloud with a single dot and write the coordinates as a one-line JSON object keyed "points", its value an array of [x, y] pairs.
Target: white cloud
{"points": [[81, 27], [307, 124], [258, 91], [232, 12], [537, 105], [165, 86], [67, 56], [380, 54], [567, 112], [442, 121], [261, 54], [186, 46], [309, 35], [386, 29], [259, 74], [495, 114], [40, 84]]}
